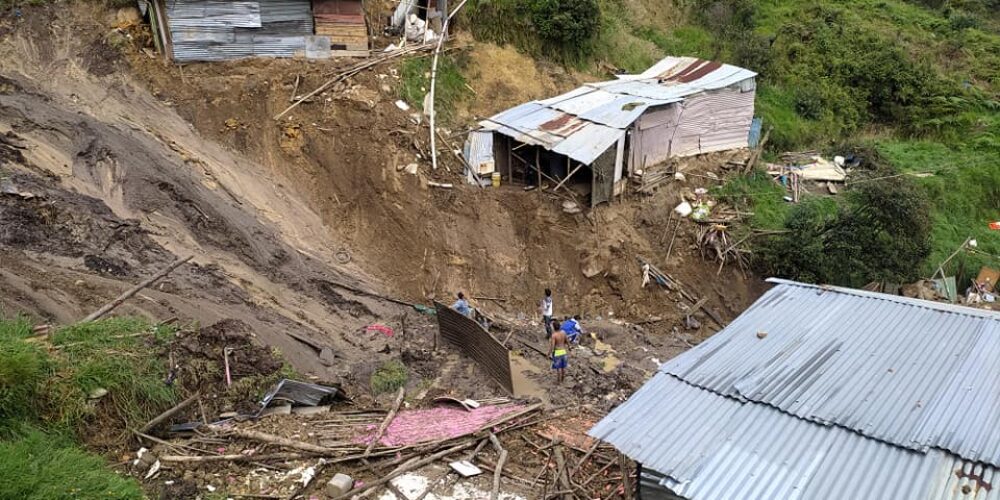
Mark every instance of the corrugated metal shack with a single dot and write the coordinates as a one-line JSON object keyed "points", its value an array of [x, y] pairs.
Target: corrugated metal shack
{"points": [[218, 30], [681, 106], [823, 392]]}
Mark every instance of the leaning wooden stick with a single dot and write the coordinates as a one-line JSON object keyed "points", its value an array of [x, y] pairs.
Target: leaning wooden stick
{"points": [[387, 421], [106, 308], [169, 413]]}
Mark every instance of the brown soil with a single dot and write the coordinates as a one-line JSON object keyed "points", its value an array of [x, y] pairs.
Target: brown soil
{"points": [[112, 167]]}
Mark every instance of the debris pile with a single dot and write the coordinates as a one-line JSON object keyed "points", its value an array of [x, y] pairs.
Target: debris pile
{"points": [[346, 451]]}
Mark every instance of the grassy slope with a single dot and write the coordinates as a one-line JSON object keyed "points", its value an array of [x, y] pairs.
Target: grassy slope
{"points": [[960, 44], [43, 404]]}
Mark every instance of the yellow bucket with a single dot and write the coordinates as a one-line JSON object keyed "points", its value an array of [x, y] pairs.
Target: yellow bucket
{"points": [[496, 179]]}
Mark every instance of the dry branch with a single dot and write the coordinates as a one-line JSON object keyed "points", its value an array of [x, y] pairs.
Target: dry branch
{"points": [[169, 413], [106, 308]]}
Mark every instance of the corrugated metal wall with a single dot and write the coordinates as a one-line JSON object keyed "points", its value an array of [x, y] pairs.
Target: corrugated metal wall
{"points": [[707, 122], [477, 343], [216, 30]]}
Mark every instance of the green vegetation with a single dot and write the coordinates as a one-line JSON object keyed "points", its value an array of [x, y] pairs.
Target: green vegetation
{"points": [[450, 88], [916, 84], [44, 403], [389, 377], [41, 466]]}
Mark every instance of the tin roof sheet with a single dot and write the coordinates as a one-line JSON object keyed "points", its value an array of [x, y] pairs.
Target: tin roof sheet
{"points": [[601, 111], [913, 373], [216, 30], [710, 446]]}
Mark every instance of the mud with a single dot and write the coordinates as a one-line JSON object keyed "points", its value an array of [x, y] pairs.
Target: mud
{"points": [[112, 167]]}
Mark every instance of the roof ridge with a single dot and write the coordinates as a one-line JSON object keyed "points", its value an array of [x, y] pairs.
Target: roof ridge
{"points": [[899, 299]]}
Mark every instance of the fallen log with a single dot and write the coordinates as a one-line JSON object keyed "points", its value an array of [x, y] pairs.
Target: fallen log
{"points": [[106, 308], [495, 494], [232, 458], [272, 439]]}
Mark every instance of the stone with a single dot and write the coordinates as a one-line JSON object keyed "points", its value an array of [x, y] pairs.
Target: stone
{"points": [[327, 357], [339, 484], [128, 15], [98, 393]]}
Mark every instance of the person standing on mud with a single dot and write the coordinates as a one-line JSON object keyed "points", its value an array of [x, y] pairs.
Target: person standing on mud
{"points": [[545, 307], [558, 353]]}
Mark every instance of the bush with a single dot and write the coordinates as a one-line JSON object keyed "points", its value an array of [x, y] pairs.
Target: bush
{"points": [[565, 22], [881, 231], [389, 377]]}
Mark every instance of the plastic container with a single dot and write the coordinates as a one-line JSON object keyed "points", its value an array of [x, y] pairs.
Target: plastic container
{"points": [[496, 179]]}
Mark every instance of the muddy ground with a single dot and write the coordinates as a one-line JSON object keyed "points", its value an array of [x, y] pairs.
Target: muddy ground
{"points": [[113, 163]]}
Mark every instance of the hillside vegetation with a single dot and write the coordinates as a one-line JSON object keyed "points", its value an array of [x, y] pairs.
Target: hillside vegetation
{"points": [[913, 86]]}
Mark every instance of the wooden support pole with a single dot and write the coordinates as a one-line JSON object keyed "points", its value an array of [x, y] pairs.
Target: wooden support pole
{"points": [[134, 290], [575, 170]]}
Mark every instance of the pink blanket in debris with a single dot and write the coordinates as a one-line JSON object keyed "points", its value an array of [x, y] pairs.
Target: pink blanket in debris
{"points": [[417, 426]]}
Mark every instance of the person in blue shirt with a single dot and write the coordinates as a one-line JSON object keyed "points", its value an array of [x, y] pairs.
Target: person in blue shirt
{"points": [[572, 328], [462, 306]]}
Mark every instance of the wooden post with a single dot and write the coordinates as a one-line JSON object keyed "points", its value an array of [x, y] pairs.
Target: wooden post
{"points": [[538, 168]]}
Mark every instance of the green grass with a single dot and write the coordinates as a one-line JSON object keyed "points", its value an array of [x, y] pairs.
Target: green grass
{"points": [[965, 192], [50, 389], [757, 193], [450, 87], [389, 377], [42, 466]]}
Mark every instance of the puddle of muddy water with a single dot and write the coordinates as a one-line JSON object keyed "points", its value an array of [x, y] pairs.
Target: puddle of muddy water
{"points": [[524, 385]]}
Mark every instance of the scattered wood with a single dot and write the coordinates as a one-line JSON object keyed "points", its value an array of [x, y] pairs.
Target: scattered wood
{"points": [[272, 439], [401, 471], [106, 308], [231, 458], [441, 185], [495, 494], [561, 476], [169, 413], [388, 420]]}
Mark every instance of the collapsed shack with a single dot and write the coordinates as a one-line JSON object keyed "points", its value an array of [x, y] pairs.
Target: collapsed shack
{"points": [[345, 451], [589, 140]]}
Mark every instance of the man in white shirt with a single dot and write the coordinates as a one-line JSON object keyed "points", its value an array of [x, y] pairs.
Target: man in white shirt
{"points": [[545, 307]]}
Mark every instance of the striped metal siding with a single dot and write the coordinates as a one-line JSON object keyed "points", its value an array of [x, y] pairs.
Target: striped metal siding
{"points": [[913, 373], [707, 446], [214, 30], [479, 344]]}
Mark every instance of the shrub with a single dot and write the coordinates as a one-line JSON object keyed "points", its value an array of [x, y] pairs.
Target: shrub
{"points": [[565, 22], [389, 377]]}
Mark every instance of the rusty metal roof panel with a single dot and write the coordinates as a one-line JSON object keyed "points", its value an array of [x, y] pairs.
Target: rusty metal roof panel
{"points": [[214, 30], [708, 446], [913, 373]]}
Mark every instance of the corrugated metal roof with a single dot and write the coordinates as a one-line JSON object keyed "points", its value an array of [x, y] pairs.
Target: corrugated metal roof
{"points": [[710, 446], [832, 392], [914, 373], [602, 111], [216, 30]]}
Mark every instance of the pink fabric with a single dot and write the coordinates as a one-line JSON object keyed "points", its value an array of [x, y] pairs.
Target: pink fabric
{"points": [[418, 426], [381, 328]]}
